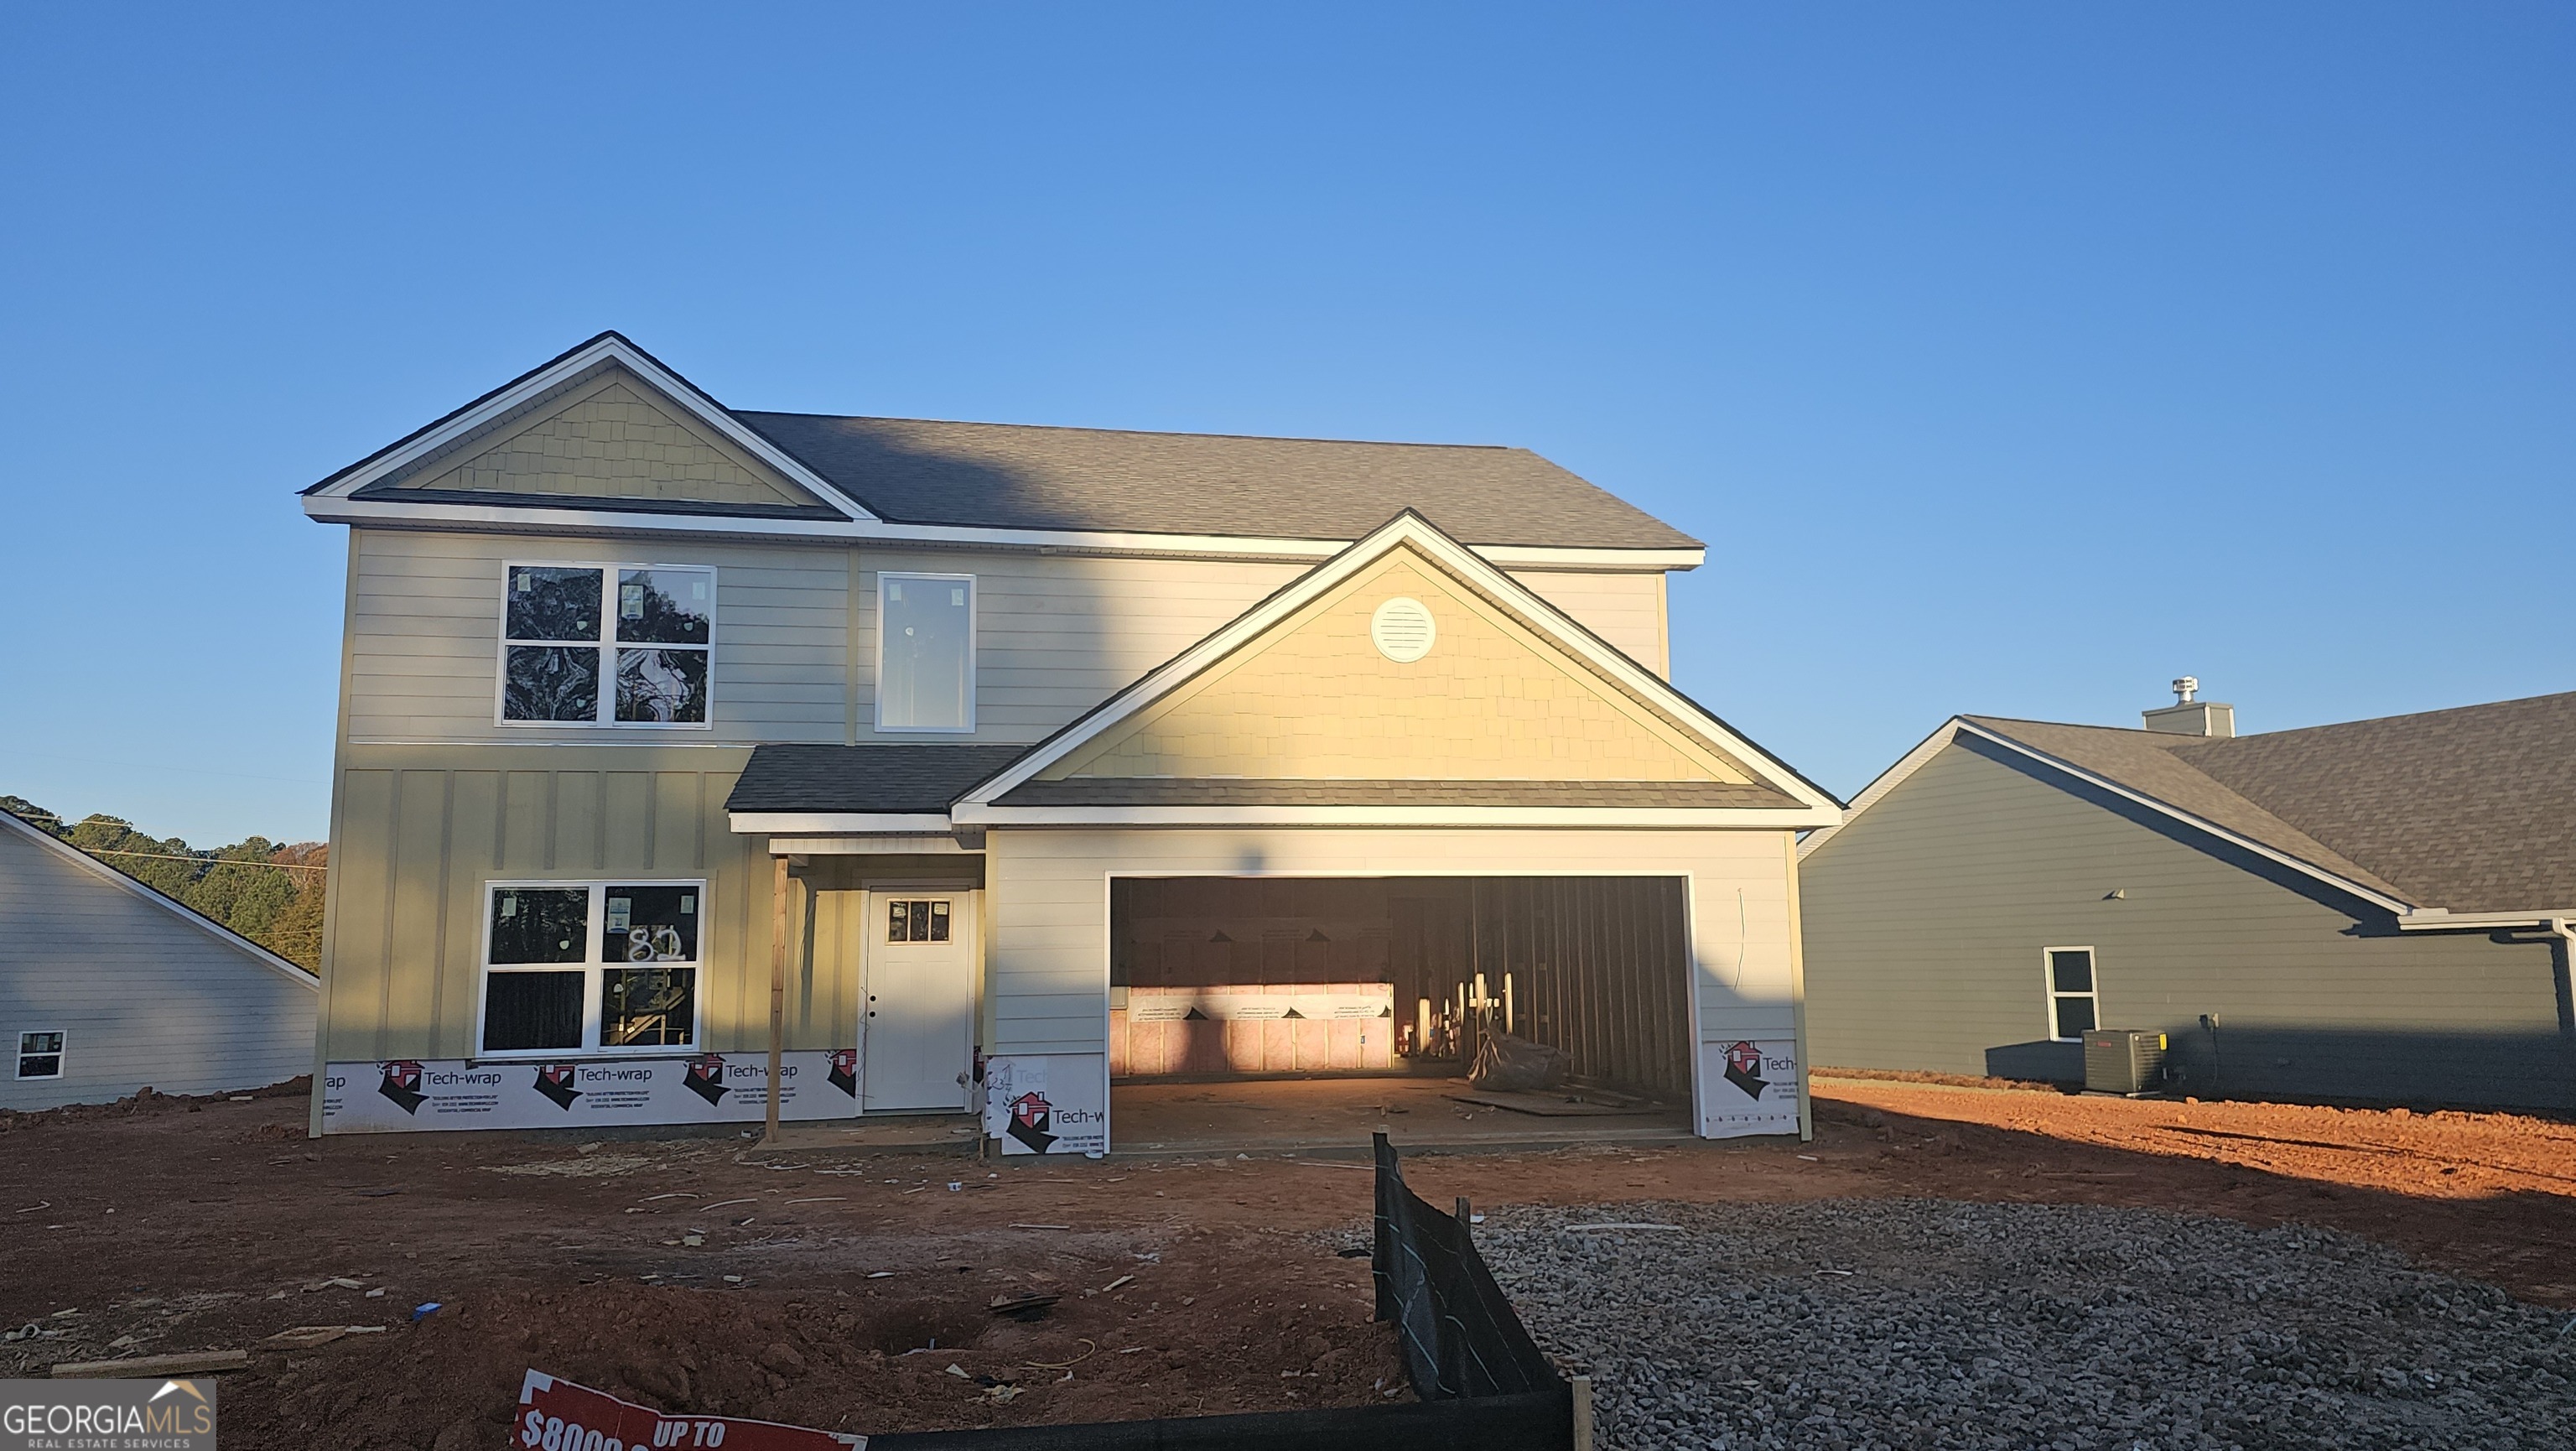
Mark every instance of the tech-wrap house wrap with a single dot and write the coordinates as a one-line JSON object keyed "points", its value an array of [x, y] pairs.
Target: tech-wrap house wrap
{"points": [[1053, 754]]}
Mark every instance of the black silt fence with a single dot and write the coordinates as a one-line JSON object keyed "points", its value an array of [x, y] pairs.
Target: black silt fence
{"points": [[1459, 1335]]}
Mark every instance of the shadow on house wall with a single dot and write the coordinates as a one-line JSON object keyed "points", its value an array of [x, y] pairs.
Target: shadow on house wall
{"points": [[2527, 1070]]}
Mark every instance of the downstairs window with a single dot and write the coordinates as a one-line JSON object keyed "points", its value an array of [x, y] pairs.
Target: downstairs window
{"points": [[571, 967], [40, 1055]]}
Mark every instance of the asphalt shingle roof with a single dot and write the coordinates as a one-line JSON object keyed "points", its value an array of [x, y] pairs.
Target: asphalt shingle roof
{"points": [[2472, 809], [1016, 476], [864, 778]]}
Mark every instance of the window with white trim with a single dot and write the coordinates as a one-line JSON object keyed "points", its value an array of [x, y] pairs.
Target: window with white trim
{"points": [[925, 652], [623, 644], [40, 1055], [571, 967], [2074, 1004]]}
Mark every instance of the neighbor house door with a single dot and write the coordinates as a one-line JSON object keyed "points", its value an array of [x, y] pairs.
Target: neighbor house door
{"points": [[917, 1023]]}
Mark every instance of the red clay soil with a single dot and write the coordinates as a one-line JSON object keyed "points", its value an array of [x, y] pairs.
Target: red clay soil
{"points": [[174, 1226]]}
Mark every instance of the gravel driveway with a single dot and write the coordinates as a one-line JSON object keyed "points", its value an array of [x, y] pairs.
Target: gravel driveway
{"points": [[1915, 1323]]}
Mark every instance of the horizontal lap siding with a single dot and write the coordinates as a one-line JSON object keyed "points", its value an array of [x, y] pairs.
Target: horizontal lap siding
{"points": [[1627, 610], [423, 830], [1056, 635], [1926, 920], [424, 632], [1049, 908], [143, 998]]}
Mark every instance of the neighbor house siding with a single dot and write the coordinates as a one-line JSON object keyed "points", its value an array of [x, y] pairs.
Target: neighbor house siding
{"points": [[422, 830], [1049, 905], [145, 998], [1926, 918]]}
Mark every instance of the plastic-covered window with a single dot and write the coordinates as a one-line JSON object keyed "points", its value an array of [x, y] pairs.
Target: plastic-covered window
{"points": [[925, 652]]}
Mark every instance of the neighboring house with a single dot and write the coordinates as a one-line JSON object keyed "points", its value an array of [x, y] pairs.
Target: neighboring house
{"points": [[2376, 911], [1019, 757], [107, 986]]}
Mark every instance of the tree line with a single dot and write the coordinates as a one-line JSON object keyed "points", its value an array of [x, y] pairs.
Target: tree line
{"points": [[269, 892]]}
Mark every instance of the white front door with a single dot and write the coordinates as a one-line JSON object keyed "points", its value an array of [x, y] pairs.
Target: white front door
{"points": [[917, 1026]]}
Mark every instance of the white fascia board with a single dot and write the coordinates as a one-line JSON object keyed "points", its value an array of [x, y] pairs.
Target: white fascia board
{"points": [[2200, 824], [924, 844], [537, 519], [1888, 780], [178, 909], [1724, 818], [2434, 919], [602, 350], [1406, 528], [836, 823]]}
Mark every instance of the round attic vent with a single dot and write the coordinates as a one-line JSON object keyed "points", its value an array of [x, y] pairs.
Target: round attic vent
{"points": [[1402, 630]]}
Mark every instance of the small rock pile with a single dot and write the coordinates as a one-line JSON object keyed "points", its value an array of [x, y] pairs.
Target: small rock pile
{"points": [[1900, 1324]]}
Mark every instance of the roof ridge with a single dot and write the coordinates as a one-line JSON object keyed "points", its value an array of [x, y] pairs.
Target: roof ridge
{"points": [[1128, 432]]}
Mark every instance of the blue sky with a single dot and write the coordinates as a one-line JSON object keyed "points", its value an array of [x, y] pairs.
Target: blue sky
{"points": [[2010, 358]]}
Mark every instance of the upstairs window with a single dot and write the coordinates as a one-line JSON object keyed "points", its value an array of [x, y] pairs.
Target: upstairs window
{"points": [[2073, 998], [606, 644], [925, 652]]}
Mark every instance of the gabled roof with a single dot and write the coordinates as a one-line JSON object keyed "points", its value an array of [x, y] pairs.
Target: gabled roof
{"points": [[1016, 476], [2470, 811], [9, 822], [1017, 486], [1019, 794], [607, 350]]}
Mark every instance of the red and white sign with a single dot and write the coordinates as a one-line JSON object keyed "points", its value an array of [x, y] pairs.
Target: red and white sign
{"points": [[557, 1415]]}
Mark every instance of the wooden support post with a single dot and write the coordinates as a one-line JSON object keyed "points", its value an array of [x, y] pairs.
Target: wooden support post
{"points": [[777, 989], [1583, 1413]]}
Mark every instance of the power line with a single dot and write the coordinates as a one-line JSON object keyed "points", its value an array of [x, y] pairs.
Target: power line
{"points": [[205, 861]]}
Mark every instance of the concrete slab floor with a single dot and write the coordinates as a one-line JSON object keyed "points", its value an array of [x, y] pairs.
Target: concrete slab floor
{"points": [[1339, 1114]]}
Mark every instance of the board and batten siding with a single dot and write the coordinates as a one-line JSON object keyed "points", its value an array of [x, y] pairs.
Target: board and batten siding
{"points": [[1927, 917], [422, 830], [144, 997], [1049, 906], [795, 632]]}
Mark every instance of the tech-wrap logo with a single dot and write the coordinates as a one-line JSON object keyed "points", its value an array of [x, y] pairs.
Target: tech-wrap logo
{"points": [[401, 1083], [1744, 1069], [555, 1082], [706, 1078], [845, 1071], [1032, 1121]]}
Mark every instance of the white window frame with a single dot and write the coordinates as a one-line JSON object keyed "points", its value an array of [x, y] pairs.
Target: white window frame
{"points": [[607, 646], [2048, 987], [594, 967], [60, 1056], [974, 608]]}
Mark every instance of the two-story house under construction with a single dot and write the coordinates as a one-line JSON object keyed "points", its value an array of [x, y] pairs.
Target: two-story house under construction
{"points": [[973, 766]]}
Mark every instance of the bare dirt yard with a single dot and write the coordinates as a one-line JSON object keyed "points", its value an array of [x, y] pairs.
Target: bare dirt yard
{"points": [[697, 1274]]}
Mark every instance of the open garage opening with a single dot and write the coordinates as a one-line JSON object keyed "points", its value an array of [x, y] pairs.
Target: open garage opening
{"points": [[1229, 978]]}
